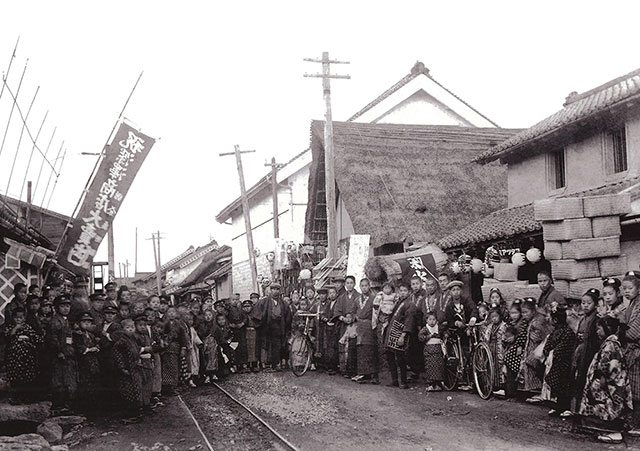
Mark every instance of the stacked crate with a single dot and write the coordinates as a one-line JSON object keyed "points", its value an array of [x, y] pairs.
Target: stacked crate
{"points": [[582, 240]]}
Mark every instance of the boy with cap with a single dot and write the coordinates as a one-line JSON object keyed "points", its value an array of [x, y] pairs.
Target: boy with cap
{"points": [[59, 342], [108, 336], [87, 349], [250, 337], [97, 311], [126, 359], [112, 294], [238, 324]]}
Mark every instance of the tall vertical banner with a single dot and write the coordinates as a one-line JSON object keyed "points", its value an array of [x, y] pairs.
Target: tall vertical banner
{"points": [[123, 157], [358, 256]]}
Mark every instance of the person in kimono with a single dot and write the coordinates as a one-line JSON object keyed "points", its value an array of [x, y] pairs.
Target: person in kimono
{"points": [[87, 348], [126, 359], [145, 364], [209, 346], [367, 343], [512, 359], [494, 336], [532, 365], [193, 350], [397, 336], [346, 307], [274, 318], [549, 293], [434, 301], [322, 304], [176, 336], [415, 351], [23, 344], [612, 302], [222, 336], [607, 402], [559, 348], [588, 342], [384, 304], [19, 301], [238, 324], [329, 318], [250, 337], [59, 341], [631, 334], [430, 336]]}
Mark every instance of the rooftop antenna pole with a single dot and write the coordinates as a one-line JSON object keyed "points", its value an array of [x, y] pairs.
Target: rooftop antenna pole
{"points": [[55, 183], [330, 183], [13, 106], [33, 147], [24, 125], [247, 216], [44, 158], [6, 75]]}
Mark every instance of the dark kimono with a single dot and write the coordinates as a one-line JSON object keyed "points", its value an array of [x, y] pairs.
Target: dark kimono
{"points": [[403, 321], [109, 334], [64, 375], [632, 350], [222, 336], [89, 382], [532, 370], [238, 324], [367, 344], [209, 360], [22, 359], [177, 340], [588, 345], [126, 360], [330, 335], [145, 367], [347, 305], [607, 393], [415, 356], [562, 342], [274, 317]]}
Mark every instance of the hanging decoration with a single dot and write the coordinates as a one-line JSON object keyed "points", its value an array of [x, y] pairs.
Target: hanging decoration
{"points": [[518, 259], [534, 255], [476, 265]]}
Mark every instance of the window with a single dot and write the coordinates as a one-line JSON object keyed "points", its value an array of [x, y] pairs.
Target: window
{"points": [[556, 170], [615, 147]]}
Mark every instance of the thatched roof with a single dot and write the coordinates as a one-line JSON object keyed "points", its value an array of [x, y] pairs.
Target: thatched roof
{"points": [[410, 182]]}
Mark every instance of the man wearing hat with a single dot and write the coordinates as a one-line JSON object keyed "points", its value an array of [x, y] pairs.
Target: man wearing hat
{"points": [[87, 350], [274, 318], [59, 342], [96, 311], [112, 294]]}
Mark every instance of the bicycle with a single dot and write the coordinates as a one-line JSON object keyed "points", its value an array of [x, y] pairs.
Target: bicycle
{"points": [[480, 363], [301, 352]]}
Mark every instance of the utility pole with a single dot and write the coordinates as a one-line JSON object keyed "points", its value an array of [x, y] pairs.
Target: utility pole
{"points": [[245, 211], [126, 271], [156, 257], [274, 193], [111, 253], [135, 262], [330, 183]]}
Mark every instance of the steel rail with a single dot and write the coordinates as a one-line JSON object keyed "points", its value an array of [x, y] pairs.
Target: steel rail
{"points": [[257, 417]]}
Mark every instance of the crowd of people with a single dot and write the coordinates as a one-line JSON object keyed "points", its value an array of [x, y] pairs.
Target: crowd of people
{"points": [[582, 356]]}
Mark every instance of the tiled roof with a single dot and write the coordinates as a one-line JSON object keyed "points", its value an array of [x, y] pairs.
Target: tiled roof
{"points": [[577, 107], [519, 220]]}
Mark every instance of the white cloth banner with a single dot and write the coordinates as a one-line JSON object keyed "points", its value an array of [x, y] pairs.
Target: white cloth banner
{"points": [[358, 256]]}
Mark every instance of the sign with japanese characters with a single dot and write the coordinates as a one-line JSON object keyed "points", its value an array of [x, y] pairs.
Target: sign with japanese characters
{"points": [[122, 159], [423, 266]]}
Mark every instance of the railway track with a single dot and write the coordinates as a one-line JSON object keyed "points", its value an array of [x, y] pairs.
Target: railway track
{"points": [[226, 423]]}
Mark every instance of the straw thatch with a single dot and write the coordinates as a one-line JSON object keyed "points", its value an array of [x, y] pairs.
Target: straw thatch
{"points": [[409, 182]]}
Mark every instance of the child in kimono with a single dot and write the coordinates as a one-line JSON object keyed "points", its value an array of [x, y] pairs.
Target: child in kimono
{"points": [[21, 357], [433, 355], [588, 342], [87, 349], [109, 335], [158, 345], [532, 366], [494, 335], [126, 358], [612, 302], [250, 336], [606, 400], [209, 348], [59, 340], [511, 363], [145, 364], [222, 335], [386, 300], [176, 336], [559, 348], [193, 350]]}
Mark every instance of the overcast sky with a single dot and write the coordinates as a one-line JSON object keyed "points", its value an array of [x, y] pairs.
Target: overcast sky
{"points": [[223, 73]]}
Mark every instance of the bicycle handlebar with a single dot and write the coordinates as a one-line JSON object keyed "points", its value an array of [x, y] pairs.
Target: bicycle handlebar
{"points": [[307, 315]]}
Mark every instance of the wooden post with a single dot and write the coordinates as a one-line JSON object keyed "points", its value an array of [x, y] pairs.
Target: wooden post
{"points": [[155, 257], [330, 183], [159, 259], [274, 194], [111, 254], [246, 214]]}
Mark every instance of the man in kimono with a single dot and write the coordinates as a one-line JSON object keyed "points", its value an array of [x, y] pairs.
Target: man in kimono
{"points": [[397, 336], [328, 318], [414, 353], [367, 349], [274, 318], [346, 308]]}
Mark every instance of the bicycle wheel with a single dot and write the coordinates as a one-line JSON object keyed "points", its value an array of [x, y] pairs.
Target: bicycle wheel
{"points": [[451, 364], [483, 371], [300, 355]]}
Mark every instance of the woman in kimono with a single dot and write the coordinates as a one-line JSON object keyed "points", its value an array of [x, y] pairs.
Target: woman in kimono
{"points": [[367, 349], [559, 348], [612, 302], [630, 290], [21, 357], [493, 336], [607, 400], [210, 348], [532, 367], [176, 336]]}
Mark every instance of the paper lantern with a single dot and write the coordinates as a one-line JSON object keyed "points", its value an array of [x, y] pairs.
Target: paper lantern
{"points": [[476, 265], [518, 259], [534, 255], [455, 267], [305, 274]]}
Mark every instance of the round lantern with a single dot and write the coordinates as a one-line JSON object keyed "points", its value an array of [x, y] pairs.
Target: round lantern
{"points": [[488, 271], [476, 265], [534, 255], [518, 259], [305, 274], [455, 267]]}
